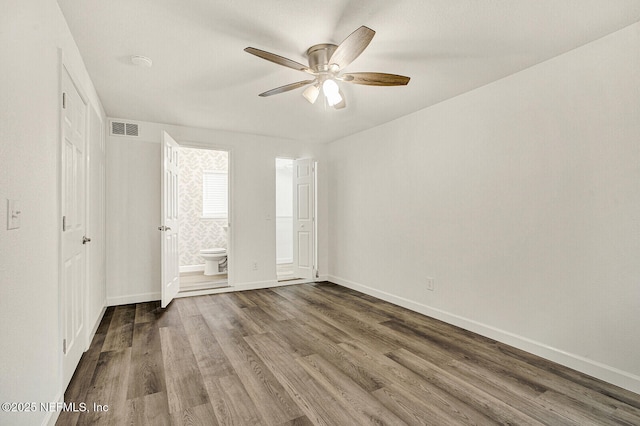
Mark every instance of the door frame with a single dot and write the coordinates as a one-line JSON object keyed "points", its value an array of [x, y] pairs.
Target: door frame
{"points": [[314, 256], [230, 150], [64, 66]]}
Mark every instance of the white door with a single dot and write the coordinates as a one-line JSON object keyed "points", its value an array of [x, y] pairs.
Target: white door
{"points": [[72, 272], [169, 227], [303, 218], [96, 257]]}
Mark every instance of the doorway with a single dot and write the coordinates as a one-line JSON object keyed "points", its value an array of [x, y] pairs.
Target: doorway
{"points": [[284, 219], [295, 219], [203, 218]]}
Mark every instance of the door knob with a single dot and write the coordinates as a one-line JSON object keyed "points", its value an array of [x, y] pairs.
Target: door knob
{"points": [[86, 240]]}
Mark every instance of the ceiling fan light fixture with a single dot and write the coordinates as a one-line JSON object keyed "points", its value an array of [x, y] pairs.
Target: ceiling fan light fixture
{"points": [[331, 92], [311, 93]]}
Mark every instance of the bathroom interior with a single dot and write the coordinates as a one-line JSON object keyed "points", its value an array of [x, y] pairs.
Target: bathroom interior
{"points": [[203, 217]]}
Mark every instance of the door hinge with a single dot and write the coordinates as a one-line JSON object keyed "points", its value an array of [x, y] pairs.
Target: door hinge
{"points": [[64, 346], [64, 100], [64, 223]]}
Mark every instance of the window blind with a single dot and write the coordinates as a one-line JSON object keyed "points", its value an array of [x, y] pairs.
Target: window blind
{"points": [[215, 195]]}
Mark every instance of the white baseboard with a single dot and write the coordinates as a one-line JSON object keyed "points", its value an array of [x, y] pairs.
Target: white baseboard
{"points": [[133, 298], [191, 268], [284, 261], [596, 369]]}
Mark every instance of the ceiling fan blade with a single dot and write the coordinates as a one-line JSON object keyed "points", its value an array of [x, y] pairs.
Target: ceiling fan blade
{"points": [[285, 88], [352, 47], [280, 60], [375, 79]]}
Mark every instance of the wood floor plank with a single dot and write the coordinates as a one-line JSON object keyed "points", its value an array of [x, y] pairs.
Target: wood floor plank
{"points": [[315, 343], [349, 395], [241, 299], [272, 400], [340, 320], [320, 354], [261, 300], [527, 377], [185, 386], [244, 323], [108, 388], [147, 368], [200, 415], [78, 388], [208, 354], [412, 410], [459, 389], [317, 404], [326, 299], [120, 333], [103, 327], [397, 379], [146, 312], [300, 421], [148, 410], [233, 406]]}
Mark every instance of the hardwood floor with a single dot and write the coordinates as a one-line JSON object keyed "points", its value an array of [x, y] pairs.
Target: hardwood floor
{"points": [[324, 355]]}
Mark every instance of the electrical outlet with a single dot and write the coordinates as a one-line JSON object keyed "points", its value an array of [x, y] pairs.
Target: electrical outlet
{"points": [[254, 266], [431, 284]]}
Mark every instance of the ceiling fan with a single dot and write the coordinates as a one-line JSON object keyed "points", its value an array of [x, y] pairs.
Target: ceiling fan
{"points": [[327, 63]]}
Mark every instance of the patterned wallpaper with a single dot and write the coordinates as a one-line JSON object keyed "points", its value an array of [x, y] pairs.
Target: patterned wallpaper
{"points": [[196, 233]]}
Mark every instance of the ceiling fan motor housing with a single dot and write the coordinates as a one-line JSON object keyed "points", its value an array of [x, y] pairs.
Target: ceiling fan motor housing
{"points": [[319, 56]]}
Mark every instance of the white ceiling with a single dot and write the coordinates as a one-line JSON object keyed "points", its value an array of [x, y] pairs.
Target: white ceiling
{"points": [[201, 77]]}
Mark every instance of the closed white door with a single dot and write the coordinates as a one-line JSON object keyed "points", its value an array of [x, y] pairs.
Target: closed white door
{"points": [[303, 218], [169, 227], [73, 180]]}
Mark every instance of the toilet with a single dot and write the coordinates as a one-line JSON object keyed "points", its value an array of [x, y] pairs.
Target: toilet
{"points": [[212, 258]]}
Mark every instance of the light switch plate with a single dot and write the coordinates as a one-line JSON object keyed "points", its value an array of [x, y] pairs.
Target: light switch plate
{"points": [[13, 214]]}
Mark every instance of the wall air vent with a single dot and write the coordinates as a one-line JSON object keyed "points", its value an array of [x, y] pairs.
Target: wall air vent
{"points": [[119, 128]]}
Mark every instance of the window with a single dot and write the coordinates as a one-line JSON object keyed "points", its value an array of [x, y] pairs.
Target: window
{"points": [[215, 200]]}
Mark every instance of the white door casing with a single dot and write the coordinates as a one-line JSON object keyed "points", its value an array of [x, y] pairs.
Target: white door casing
{"points": [[73, 258], [169, 227], [303, 218]]}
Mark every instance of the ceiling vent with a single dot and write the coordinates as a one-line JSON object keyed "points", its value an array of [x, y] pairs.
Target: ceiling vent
{"points": [[120, 128]]}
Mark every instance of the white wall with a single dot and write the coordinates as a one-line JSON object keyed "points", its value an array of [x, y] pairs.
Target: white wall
{"points": [[30, 34], [133, 207], [521, 199]]}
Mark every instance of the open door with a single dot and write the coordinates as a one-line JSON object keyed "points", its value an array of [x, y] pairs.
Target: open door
{"points": [[303, 218], [169, 227]]}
